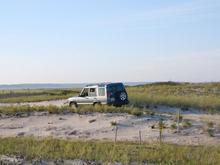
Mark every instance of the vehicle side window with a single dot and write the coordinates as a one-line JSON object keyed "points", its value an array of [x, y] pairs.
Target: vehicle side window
{"points": [[84, 92], [101, 91], [92, 92]]}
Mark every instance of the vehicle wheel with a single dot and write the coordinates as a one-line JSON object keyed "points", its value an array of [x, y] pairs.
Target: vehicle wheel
{"points": [[97, 105], [73, 105], [123, 96]]}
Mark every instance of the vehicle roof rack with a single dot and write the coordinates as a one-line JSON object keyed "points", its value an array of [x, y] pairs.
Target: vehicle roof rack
{"points": [[98, 84], [101, 84]]}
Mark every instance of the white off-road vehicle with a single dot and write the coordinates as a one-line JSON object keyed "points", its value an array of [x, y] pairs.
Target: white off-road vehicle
{"points": [[105, 93]]}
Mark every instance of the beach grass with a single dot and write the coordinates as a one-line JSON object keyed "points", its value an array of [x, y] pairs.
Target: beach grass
{"points": [[26, 109], [101, 151], [205, 96]]}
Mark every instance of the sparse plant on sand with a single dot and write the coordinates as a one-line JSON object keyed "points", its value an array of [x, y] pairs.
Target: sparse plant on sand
{"points": [[173, 126], [186, 124], [113, 123], [210, 124], [211, 132], [218, 126], [210, 129]]}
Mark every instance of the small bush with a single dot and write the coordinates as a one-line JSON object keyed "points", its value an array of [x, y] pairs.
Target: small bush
{"points": [[173, 126], [113, 123], [136, 112], [210, 124], [186, 124], [218, 126], [211, 132]]}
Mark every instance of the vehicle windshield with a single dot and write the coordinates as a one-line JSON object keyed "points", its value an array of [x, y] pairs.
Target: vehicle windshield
{"points": [[84, 92]]}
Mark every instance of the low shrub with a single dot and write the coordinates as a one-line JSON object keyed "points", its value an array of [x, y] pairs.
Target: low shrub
{"points": [[186, 124]]}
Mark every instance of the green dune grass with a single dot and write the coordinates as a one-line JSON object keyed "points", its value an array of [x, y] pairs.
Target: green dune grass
{"points": [[25, 109], [204, 96], [125, 152]]}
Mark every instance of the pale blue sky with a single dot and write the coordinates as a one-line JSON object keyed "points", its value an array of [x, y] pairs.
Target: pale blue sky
{"points": [[70, 41]]}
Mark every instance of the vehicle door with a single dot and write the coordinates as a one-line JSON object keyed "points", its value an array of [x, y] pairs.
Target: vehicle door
{"points": [[92, 95], [102, 96], [83, 97], [119, 94]]}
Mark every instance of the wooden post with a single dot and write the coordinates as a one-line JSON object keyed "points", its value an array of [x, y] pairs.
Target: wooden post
{"points": [[116, 133], [140, 136], [178, 121], [160, 129]]}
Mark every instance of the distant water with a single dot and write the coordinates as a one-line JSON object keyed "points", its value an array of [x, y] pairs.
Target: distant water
{"points": [[54, 86]]}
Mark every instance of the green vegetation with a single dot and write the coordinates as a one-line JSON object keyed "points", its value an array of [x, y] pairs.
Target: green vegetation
{"points": [[187, 124], [218, 126], [210, 129], [173, 126], [185, 95], [113, 123], [25, 109], [205, 96], [210, 124], [125, 152], [211, 132], [35, 95]]}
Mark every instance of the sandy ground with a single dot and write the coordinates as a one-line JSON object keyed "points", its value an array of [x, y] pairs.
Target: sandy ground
{"points": [[41, 103], [98, 126]]}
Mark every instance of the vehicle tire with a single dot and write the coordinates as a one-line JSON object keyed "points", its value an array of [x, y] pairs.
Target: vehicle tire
{"points": [[123, 96], [97, 104], [73, 105]]}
